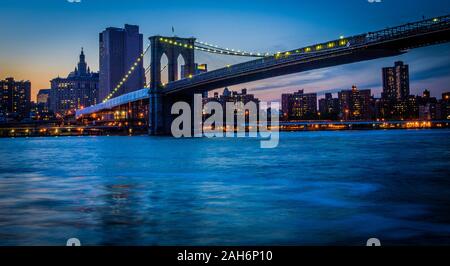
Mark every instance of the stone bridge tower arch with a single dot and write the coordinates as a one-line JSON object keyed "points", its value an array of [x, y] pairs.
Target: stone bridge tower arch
{"points": [[173, 47]]}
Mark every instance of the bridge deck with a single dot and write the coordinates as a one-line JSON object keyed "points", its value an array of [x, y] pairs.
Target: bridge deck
{"points": [[117, 101], [314, 52]]}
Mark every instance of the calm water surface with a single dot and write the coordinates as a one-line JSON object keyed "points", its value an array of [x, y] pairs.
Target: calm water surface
{"points": [[316, 188]]}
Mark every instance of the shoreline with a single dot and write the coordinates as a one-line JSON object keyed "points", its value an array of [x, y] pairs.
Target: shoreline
{"points": [[78, 131]]}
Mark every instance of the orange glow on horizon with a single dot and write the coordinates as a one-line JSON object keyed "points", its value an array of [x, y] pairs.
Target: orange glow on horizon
{"points": [[38, 76]]}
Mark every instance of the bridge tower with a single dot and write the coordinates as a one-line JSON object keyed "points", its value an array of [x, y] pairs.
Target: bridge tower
{"points": [[172, 47]]}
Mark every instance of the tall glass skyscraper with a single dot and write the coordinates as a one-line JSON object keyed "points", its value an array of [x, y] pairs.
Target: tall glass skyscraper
{"points": [[119, 49]]}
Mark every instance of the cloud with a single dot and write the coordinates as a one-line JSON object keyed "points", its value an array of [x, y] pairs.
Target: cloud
{"points": [[321, 81], [429, 69], [74, 1]]}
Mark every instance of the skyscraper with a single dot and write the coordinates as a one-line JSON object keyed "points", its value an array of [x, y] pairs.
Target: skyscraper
{"points": [[329, 107], [428, 106], [396, 82], [445, 105], [229, 96], [119, 49], [285, 105], [15, 98], [79, 89], [299, 105], [40, 110], [355, 104]]}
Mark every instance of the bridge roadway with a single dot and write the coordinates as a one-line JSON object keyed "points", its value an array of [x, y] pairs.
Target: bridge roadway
{"points": [[372, 45]]}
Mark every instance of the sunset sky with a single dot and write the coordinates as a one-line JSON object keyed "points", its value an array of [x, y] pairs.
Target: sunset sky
{"points": [[41, 39]]}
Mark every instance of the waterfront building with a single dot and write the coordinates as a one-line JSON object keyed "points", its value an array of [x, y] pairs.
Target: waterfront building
{"points": [[329, 107], [285, 106], [379, 108], [40, 112], [232, 96], [424, 107], [399, 109], [119, 49], [397, 103], [299, 105], [40, 109], [428, 106], [445, 105], [78, 90], [412, 111], [229, 96], [396, 82], [427, 111], [15, 99], [355, 104]]}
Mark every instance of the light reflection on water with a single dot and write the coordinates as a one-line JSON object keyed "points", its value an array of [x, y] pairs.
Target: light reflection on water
{"points": [[316, 188]]}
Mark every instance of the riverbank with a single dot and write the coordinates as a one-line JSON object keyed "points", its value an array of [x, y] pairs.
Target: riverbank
{"points": [[362, 125], [289, 126]]}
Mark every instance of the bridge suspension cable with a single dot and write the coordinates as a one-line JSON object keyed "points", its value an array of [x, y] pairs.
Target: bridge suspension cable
{"points": [[215, 49], [147, 71], [133, 67], [201, 46], [210, 48]]}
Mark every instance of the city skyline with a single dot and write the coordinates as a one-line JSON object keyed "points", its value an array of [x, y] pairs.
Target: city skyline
{"points": [[237, 131], [301, 24]]}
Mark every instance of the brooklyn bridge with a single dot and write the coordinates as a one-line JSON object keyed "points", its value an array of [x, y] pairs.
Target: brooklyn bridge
{"points": [[153, 103]]}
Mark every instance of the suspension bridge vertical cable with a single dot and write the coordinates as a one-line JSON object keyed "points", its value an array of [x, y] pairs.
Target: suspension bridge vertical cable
{"points": [[133, 67]]}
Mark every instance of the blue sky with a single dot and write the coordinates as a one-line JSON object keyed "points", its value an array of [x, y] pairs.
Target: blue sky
{"points": [[41, 39]]}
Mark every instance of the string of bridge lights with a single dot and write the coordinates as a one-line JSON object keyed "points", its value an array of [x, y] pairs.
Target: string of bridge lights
{"points": [[181, 44], [206, 47], [133, 67], [211, 48]]}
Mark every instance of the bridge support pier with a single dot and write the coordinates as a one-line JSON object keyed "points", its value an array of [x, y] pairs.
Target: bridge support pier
{"points": [[160, 115], [156, 117]]}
